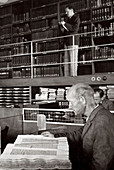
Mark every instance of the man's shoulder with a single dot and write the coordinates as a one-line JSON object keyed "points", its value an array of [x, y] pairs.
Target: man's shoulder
{"points": [[104, 114], [106, 101], [101, 112], [103, 118], [108, 104], [76, 15]]}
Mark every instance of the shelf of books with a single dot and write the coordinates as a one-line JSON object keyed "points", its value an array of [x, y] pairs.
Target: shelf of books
{"points": [[5, 25], [44, 58], [31, 50]]}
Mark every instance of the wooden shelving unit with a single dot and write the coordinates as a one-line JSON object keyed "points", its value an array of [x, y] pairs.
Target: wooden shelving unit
{"points": [[30, 52]]}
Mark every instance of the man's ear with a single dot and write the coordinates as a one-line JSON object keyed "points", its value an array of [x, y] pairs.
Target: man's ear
{"points": [[82, 99]]}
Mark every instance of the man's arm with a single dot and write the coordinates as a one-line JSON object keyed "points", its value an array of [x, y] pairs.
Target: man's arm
{"points": [[74, 26], [72, 134], [103, 149]]}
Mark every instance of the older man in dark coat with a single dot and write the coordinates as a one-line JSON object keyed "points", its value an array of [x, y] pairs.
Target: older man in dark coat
{"points": [[92, 147]]}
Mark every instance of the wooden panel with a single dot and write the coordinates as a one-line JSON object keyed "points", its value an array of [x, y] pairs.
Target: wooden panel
{"points": [[95, 79]]}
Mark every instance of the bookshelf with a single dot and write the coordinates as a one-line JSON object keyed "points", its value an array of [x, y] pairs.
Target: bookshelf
{"points": [[14, 96], [21, 21], [103, 26], [5, 24], [30, 51]]}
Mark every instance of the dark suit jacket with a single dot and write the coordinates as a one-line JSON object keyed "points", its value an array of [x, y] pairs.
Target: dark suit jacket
{"points": [[92, 146], [107, 104], [72, 25], [98, 140]]}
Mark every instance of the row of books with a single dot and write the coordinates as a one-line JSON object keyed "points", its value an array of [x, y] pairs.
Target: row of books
{"points": [[20, 39], [39, 24], [104, 53], [50, 45], [21, 73], [58, 94], [102, 31], [47, 59], [5, 41], [21, 49], [5, 52], [84, 29], [21, 17], [45, 34], [5, 21], [101, 14], [43, 2], [44, 24], [97, 3], [85, 56], [37, 72], [45, 10], [21, 60], [85, 16], [85, 41], [48, 71], [24, 48], [5, 32], [46, 46], [18, 49], [25, 60], [5, 63], [21, 29], [4, 11]]}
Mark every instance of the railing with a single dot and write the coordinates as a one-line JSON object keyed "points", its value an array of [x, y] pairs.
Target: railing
{"points": [[47, 57]]}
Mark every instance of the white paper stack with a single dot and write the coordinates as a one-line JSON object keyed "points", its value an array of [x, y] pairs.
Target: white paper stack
{"points": [[36, 152]]}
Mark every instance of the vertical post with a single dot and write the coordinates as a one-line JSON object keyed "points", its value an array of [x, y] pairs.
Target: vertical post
{"points": [[22, 121], [93, 51], [31, 60], [30, 94], [73, 58], [73, 46]]}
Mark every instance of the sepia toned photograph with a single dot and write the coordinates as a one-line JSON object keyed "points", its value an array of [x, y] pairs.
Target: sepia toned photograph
{"points": [[56, 84]]}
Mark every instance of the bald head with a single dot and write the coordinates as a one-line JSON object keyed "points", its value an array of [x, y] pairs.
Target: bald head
{"points": [[81, 97]]}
